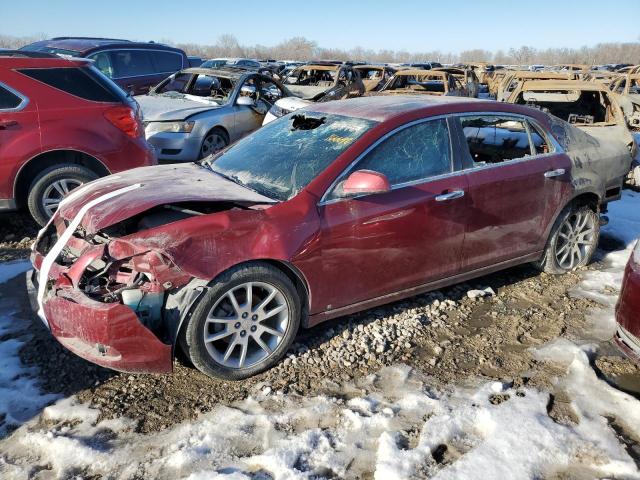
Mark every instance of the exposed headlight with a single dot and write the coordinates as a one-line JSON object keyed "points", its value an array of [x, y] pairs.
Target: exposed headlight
{"points": [[175, 127], [278, 112]]}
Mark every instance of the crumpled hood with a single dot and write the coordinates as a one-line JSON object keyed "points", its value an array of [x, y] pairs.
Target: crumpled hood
{"points": [[158, 108], [151, 187]]}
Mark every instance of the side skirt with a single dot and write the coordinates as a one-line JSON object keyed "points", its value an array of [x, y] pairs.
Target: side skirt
{"points": [[410, 292]]}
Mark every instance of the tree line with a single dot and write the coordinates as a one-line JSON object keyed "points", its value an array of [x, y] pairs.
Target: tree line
{"points": [[300, 48]]}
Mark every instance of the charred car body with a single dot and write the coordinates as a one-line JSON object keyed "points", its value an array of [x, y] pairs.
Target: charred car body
{"points": [[374, 76], [426, 82], [317, 82], [315, 216], [198, 111]]}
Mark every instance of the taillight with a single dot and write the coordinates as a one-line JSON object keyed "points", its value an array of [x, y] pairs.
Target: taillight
{"points": [[125, 119]]}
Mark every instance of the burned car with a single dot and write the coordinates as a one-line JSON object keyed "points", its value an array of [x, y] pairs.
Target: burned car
{"points": [[374, 76], [467, 78], [426, 82], [511, 81], [627, 90], [317, 82], [340, 207], [199, 111]]}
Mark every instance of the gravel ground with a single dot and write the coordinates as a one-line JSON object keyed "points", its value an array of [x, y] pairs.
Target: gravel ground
{"points": [[445, 334], [17, 232]]}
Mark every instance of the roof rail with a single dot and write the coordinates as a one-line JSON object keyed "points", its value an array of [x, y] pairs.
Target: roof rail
{"points": [[91, 38], [26, 54]]}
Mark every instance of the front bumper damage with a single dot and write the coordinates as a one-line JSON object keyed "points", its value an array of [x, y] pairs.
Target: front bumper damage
{"points": [[106, 332], [110, 335]]}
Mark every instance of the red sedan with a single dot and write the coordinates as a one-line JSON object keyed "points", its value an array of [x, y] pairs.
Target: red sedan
{"points": [[628, 328], [334, 209]]}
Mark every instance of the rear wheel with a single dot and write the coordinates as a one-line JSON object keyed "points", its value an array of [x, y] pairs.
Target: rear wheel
{"points": [[573, 240], [244, 323], [49, 188]]}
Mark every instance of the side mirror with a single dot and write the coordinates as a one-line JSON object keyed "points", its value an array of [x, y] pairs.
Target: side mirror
{"points": [[363, 182], [246, 101]]}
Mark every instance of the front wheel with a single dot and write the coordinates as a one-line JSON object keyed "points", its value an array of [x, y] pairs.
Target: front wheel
{"points": [[213, 142], [573, 240], [244, 323]]}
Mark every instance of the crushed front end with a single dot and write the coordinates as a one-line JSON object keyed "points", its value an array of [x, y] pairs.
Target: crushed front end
{"points": [[103, 298]]}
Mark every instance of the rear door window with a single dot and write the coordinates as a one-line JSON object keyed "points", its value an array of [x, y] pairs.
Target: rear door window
{"points": [[166, 62], [495, 139], [8, 99], [132, 63], [83, 82]]}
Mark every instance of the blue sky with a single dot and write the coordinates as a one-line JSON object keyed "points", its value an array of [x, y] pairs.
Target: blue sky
{"points": [[413, 25]]}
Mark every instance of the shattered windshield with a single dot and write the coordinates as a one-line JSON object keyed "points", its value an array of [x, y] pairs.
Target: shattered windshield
{"points": [[197, 86], [284, 156]]}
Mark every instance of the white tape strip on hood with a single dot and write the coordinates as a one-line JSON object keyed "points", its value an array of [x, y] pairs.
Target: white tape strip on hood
{"points": [[49, 260]]}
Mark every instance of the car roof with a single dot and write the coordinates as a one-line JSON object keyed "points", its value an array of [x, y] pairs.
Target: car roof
{"points": [[85, 44], [224, 72], [49, 61], [385, 108], [563, 85]]}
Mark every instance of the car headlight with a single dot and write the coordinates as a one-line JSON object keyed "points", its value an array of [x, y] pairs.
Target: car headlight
{"points": [[278, 112], [175, 127]]}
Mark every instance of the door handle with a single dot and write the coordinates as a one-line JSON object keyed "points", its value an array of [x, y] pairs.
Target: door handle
{"points": [[554, 173], [7, 123], [450, 196]]}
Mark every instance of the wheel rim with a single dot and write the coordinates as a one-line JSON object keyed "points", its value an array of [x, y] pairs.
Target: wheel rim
{"points": [[246, 325], [55, 192], [576, 240], [212, 144]]}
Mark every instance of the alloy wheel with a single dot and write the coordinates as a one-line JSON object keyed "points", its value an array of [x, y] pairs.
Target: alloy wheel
{"points": [[576, 239], [246, 324], [55, 192], [212, 143]]}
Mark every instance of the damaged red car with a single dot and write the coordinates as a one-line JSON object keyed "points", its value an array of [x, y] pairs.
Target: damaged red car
{"points": [[340, 207], [627, 318]]}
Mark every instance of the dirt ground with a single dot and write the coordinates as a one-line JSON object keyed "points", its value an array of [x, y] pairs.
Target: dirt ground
{"points": [[444, 334]]}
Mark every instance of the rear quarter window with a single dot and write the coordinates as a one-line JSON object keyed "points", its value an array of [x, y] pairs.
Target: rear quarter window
{"points": [[8, 99], [82, 82], [166, 62]]}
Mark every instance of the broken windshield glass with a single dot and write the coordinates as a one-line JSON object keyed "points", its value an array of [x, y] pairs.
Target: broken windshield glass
{"points": [[282, 157]]}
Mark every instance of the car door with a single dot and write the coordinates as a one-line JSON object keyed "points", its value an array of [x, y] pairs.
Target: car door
{"points": [[518, 179], [378, 244], [19, 136], [247, 118]]}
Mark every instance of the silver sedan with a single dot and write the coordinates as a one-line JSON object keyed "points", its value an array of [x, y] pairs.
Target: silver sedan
{"points": [[199, 111]]}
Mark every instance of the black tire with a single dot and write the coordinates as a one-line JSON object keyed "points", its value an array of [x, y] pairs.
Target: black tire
{"points": [[192, 334], [550, 262], [73, 174], [214, 132]]}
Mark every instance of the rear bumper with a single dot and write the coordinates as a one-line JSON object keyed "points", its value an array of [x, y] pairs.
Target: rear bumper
{"points": [[107, 334]]}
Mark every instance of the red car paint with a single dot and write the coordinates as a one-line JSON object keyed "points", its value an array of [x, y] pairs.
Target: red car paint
{"points": [[53, 122], [349, 255], [627, 316]]}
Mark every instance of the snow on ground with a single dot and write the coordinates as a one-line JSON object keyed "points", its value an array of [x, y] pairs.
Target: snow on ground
{"points": [[603, 285], [20, 397], [392, 423]]}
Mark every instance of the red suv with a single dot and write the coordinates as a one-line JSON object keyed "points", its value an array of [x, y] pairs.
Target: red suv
{"points": [[134, 66], [62, 123]]}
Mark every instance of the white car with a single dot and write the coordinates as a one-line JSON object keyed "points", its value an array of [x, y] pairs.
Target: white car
{"points": [[284, 106]]}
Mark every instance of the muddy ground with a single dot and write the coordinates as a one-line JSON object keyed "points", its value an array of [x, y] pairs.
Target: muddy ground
{"points": [[445, 334]]}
